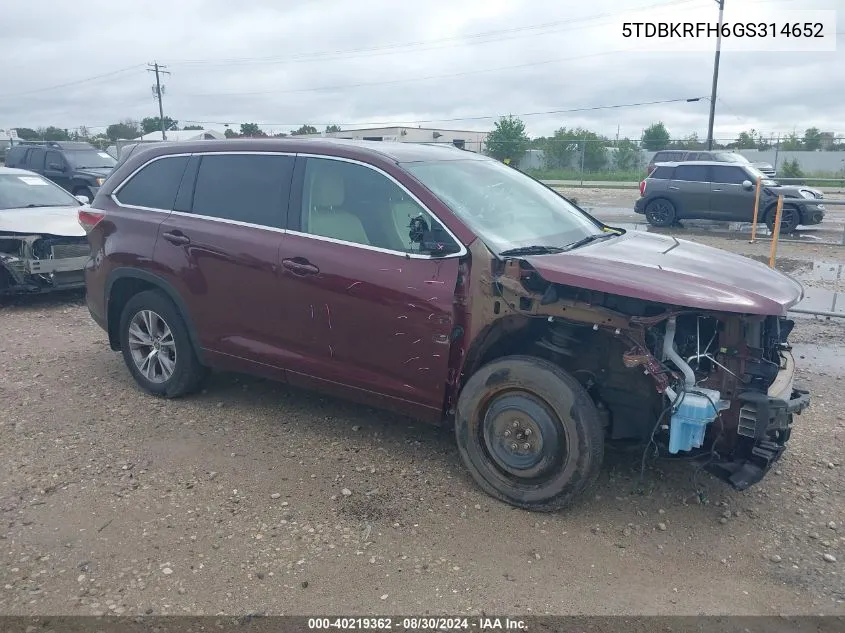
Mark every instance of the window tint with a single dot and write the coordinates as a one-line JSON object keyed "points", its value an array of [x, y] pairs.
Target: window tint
{"points": [[667, 157], [729, 175], [662, 173], [54, 158], [691, 173], [250, 188], [36, 158], [354, 203], [155, 186]]}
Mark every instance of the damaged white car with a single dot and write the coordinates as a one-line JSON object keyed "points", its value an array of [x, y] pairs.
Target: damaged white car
{"points": [[42, 245]]}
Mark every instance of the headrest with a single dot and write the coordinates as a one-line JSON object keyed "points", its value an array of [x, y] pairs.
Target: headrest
{"points": [[329, 189]]}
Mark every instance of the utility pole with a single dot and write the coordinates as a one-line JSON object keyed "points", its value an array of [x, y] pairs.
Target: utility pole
{"points": [[715, 76], [157, 90]]}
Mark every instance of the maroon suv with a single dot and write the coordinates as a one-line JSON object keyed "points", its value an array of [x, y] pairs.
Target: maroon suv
{"points": [[446, 286]]}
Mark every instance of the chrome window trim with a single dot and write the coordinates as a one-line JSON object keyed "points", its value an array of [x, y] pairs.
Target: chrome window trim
{"points": [[123, 182], [265, 227], [406, 254]]}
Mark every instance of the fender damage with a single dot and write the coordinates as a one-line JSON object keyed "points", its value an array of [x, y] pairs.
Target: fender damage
{"points": [[651, 361]]}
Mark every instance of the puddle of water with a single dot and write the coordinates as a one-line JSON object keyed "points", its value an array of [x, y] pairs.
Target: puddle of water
{"points": [[807, 270], [819, 299], [819, 358]]}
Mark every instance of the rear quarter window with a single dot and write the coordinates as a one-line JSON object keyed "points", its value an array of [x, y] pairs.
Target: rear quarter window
{"points": [[662, 173], [155, 185]]}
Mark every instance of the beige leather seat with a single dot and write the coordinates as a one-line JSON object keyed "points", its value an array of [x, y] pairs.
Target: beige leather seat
{"points": [[326, 217]]}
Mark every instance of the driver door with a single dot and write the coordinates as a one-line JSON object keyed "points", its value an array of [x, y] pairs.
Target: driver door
{"points": [[369, 314]]}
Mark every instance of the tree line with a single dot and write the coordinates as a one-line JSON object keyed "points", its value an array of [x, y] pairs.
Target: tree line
{"points": [[578, 146], [128, 129]]}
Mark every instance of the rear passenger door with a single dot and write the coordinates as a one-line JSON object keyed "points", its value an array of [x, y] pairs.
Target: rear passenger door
{"points": [[690, 188], [35, 160], [729, 200], [220, 250]]}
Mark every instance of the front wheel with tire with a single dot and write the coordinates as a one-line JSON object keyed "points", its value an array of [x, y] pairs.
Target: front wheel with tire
{"points": [[660, 212], [529, 433], [789, 219], [156, 346]]}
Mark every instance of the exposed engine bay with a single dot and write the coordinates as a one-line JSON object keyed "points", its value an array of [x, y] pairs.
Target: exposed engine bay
{"points": [[41, 263], [714, 386]]}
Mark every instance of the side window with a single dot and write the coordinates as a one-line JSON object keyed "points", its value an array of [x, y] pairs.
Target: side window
{"points": [[354, 203], [691, 173], [156, 185], [662, 173], [693, 156], [729, 175], [54, 161], [705, 156], [251, 188], [36, 158]]}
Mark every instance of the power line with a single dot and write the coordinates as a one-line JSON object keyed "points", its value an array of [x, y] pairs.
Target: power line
{"points": [[406, 79], [158, 69], [482, 38], [467, 118], [72, 83]]}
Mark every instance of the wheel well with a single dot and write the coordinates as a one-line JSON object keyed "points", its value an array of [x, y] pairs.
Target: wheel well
{"points": [[121, 292], [772, 208], [593, 357]]}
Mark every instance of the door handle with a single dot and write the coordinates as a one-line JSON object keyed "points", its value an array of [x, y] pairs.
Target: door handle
{"points": [[300, 266], [715, 190], [176, 237], [673, 188]]}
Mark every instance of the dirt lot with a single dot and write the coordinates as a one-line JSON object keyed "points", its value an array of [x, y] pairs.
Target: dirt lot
{"points": [[235, 500]]}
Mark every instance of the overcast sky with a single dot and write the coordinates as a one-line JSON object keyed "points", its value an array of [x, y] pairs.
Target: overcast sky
{"points": [[283, 63]]}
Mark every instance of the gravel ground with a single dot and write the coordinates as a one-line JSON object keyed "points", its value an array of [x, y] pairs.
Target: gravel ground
{"points": [[255, 497]]}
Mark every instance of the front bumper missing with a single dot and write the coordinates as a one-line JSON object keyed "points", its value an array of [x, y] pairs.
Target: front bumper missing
{"points": [[764, 427]]}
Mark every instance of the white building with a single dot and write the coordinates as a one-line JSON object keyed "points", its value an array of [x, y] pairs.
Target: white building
{"points": [[465, 139], [182, 135]]}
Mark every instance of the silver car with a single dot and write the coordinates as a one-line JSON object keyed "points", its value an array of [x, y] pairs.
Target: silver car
{"points": [[42, 245]]}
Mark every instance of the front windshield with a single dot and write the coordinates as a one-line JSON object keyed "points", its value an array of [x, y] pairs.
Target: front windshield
{"points": [[89, 159], [506, 208], [751, 169], [29, 190], [729, 157]]}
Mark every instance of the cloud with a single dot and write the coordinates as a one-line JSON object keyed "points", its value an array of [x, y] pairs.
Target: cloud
{"points": [[333, 61]]}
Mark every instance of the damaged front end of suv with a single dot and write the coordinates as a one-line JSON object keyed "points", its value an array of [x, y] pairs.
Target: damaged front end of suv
{"points": [[672, 348]]}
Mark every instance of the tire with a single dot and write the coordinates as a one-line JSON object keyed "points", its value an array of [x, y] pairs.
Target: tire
{"points": [[84, 191], [181, 372], [515, 394], [789, 220], [660, 212]]}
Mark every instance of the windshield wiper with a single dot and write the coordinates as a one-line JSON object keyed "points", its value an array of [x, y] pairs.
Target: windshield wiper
{"points": [[534, 249], [588, 239], [39, 206]]}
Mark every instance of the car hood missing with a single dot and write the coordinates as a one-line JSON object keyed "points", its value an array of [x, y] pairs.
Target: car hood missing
{"points": [[675, 272], [62, 221]]}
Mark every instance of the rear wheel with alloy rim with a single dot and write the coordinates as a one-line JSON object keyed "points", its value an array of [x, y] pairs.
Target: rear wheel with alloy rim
{"points": [[660, 212], [529, 433], [156, 346]]}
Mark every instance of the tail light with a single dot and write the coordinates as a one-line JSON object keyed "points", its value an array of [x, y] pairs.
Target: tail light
{"points": [[642, 188], [89, 218]]}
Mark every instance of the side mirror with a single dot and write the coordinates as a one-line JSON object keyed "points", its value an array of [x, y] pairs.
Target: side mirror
{"points": [[435, 241], [83, 199], [56, 167], [747, 184]]}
